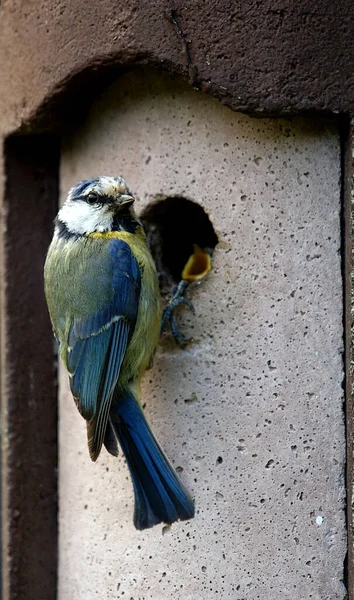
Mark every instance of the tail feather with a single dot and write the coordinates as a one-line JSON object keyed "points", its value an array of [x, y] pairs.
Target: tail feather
{"points": [[110, 440], [159, 494]]}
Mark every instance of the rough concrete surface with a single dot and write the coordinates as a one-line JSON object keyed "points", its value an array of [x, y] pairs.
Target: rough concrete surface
{"points": [[252, 412], [270, 56]]}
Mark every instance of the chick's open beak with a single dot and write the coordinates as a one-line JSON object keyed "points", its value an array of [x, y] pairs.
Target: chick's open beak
{"points": [[197, 266]]}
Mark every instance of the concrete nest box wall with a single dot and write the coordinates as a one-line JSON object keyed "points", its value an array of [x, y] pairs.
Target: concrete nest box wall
{"points": [[251, 411]]}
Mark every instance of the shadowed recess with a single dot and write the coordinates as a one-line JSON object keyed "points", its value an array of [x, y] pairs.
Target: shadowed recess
{"points": [[30, 399], [174, 225]]}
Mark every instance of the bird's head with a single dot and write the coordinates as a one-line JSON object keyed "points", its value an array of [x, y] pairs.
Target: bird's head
{"points": [[97, 205]]}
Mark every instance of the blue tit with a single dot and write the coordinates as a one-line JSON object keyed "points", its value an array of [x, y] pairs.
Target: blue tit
{"points": [[104, 303]]}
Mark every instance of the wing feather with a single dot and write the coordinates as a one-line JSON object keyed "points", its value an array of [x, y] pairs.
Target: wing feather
{"points": [[119, 341], [97, 345]]}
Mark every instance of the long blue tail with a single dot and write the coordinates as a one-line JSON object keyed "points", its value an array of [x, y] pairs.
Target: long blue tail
{"points": [[160, 497]]}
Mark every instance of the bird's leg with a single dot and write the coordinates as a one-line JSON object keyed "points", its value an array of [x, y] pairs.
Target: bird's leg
{"points": [[168, 314]]}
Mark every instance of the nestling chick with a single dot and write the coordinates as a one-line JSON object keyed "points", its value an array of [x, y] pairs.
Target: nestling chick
{"points": [[103, 299]]}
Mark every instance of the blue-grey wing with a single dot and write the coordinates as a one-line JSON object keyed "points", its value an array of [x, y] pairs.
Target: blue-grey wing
{"points": [[97, 344]]}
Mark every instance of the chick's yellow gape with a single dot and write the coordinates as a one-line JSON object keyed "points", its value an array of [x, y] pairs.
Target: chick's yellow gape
{"points": [[103, 299]]}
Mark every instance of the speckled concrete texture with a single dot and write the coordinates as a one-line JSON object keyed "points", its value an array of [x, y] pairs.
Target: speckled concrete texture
{"points": [[266, 57], [251, 413]]}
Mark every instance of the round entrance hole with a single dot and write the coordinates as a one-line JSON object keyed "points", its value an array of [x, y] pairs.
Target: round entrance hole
{"points": [[174, 227]]}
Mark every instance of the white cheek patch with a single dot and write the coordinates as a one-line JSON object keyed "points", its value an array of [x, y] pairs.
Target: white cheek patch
{"points": [[80, 217]]}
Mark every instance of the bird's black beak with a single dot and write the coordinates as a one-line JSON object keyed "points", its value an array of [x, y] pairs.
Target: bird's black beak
{"points": [[124, 201]]}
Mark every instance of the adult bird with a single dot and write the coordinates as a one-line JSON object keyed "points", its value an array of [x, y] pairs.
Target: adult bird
{"points": [[104, 303]]}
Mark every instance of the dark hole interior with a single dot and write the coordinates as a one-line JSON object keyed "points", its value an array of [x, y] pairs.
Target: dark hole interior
{"points": [[173, 224]]}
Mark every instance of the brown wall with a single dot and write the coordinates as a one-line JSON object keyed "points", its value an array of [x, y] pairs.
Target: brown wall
{"points": [[276, 57]]}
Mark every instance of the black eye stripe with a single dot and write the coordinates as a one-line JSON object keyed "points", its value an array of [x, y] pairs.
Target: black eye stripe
{"points": [[95, 198]]}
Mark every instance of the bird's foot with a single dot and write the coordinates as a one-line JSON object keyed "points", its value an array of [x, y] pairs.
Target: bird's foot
{"points": [[169, 316]]}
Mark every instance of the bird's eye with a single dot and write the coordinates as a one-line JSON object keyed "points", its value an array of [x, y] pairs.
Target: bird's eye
{"points": [[92, 198]]}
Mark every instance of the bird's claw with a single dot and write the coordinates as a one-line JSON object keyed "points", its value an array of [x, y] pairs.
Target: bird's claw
{"points": [[181, 339], [168, 314]]}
